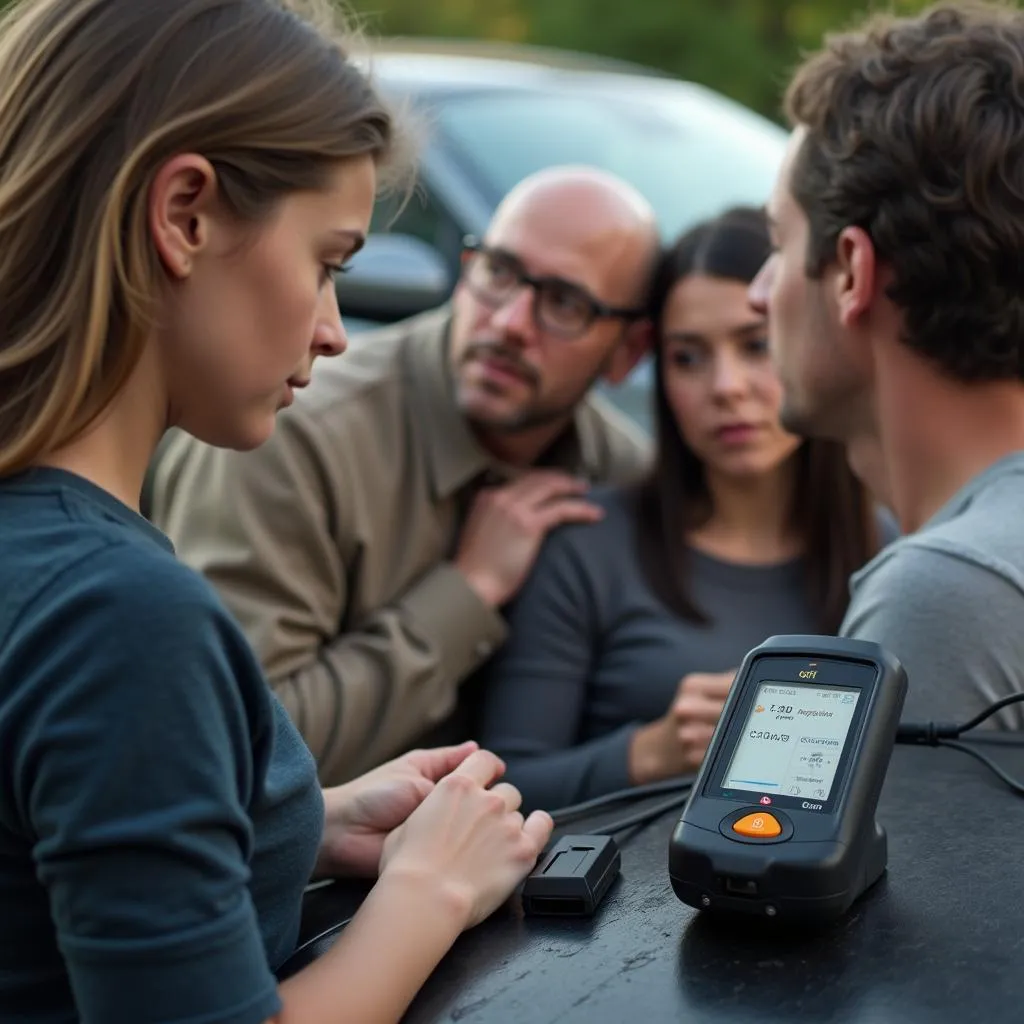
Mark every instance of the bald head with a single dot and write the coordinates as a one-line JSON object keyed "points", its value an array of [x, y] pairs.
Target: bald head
{"points": [[553, 301], [593, 217]]}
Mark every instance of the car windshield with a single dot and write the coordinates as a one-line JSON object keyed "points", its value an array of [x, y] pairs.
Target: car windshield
{"points": [[689, 151]]}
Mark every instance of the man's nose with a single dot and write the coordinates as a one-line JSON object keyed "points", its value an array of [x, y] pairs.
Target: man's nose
{"points": [[514, 318], [760, 287]]}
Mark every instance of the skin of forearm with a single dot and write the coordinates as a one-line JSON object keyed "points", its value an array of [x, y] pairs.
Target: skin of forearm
{"points": [[383, 957]]}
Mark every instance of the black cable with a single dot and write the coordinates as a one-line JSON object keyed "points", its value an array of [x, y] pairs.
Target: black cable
{"points": [[564, 815], [930, 733], [641, 817], [292, 964], [940, 734], [1014, 698]]}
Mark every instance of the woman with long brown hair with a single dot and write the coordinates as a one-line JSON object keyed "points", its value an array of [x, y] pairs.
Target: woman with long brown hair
{"points": [[625, 639], [180, 180]]}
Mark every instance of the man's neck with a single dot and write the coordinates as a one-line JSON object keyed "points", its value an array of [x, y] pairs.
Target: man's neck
{"points": [[937, 435], [866, 460]]}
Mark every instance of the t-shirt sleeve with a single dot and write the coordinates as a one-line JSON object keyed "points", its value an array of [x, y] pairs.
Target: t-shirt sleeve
{"points": [[952, 622], [133, 766]]}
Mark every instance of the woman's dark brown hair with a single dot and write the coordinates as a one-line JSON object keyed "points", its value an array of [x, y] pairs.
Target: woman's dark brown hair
{"points": [[831, 509]]}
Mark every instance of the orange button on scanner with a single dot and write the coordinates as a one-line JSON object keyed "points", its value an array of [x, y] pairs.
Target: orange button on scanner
{"points": [[759, 826]]}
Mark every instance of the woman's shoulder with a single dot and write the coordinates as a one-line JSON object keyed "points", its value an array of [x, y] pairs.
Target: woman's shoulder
{"points": [[72, 554], [116, 617], [597, 556], [616, 499], [616, 522], [130, 581]]}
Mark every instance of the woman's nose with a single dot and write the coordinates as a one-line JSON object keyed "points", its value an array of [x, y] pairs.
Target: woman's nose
{"points": [[329, 335]]}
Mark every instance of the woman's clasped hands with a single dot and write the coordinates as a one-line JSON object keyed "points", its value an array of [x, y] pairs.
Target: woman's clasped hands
{"points": [[440, 818]]}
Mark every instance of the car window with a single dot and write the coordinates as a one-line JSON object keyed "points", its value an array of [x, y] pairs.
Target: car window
{"points": [[421, 216], [690, 152]]}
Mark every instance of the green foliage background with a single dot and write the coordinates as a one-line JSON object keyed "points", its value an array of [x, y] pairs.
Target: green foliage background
{"points": [[743, 48]]}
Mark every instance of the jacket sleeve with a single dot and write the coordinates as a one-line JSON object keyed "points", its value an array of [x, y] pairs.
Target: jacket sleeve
{"points": [[274, 531]]}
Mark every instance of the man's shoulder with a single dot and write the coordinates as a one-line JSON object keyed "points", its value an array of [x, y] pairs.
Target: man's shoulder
{"points": [[934, 557], [950, 609], [980, 542], [937, 583]]}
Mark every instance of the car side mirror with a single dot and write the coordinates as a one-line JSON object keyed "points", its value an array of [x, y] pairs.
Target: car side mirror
{"points": [[393, 276]]}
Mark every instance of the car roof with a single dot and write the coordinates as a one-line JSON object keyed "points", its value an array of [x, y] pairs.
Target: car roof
{"points": [[423, 68], [476, 59], [470, 65]]}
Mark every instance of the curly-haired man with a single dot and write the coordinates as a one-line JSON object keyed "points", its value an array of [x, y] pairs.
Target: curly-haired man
{"points": [[896, 310]]}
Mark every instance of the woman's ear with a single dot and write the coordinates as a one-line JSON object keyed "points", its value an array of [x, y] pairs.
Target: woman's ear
{"points": [[181, 204]]}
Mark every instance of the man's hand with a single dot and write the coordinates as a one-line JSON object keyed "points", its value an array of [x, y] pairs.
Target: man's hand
{"points": [[506, 525], [676, 743], [360, 814]]}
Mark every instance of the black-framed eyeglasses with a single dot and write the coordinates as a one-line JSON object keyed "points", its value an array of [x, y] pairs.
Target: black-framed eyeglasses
{"points": [[560, 307]]}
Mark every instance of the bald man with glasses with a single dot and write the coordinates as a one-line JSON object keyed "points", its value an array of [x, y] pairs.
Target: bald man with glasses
{"points": [[369, 547]]}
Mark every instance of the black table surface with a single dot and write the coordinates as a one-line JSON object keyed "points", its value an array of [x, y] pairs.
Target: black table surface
{"points": [[939, 939]]}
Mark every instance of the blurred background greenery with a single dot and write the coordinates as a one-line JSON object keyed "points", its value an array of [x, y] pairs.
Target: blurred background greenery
{"points": [[743, 48]]}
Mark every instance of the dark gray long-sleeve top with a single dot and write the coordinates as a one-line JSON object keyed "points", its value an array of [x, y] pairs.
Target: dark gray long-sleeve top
{"points": [[592, 653]]}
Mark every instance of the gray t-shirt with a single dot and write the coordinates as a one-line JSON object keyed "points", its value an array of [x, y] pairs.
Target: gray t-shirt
{"points": [[948, 601], [593, 653]]}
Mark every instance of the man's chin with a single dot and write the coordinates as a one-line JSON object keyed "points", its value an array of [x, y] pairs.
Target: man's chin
{"points": [[486, 409], [493, 420], [804, 422]]}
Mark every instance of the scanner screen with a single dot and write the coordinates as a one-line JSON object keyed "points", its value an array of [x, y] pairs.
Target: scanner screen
{"points": [[792, 740]]}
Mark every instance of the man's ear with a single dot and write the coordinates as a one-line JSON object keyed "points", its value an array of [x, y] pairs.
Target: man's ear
{"points": [[182, 200], [635, 343], [856, 275]]}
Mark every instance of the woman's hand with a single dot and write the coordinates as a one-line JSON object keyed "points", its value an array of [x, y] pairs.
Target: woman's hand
{"points": [[676, 743], [467, 843], [360, 814]]}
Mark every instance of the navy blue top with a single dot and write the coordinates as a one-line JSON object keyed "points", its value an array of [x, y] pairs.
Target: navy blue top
{"points": [[159, 814]]}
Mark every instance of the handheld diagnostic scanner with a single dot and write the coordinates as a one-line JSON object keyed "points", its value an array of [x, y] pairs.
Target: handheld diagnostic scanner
{"points": [[781, 819]]}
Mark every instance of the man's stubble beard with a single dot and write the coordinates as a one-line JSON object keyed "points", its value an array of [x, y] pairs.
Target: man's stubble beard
{"points": [[533, 416], [530, 418]]}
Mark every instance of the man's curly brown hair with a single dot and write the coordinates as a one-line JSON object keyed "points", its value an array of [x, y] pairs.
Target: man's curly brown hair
{"points": [[915, 133]]}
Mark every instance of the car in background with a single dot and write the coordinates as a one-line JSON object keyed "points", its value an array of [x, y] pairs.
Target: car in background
{"points": [[491, 114]]}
